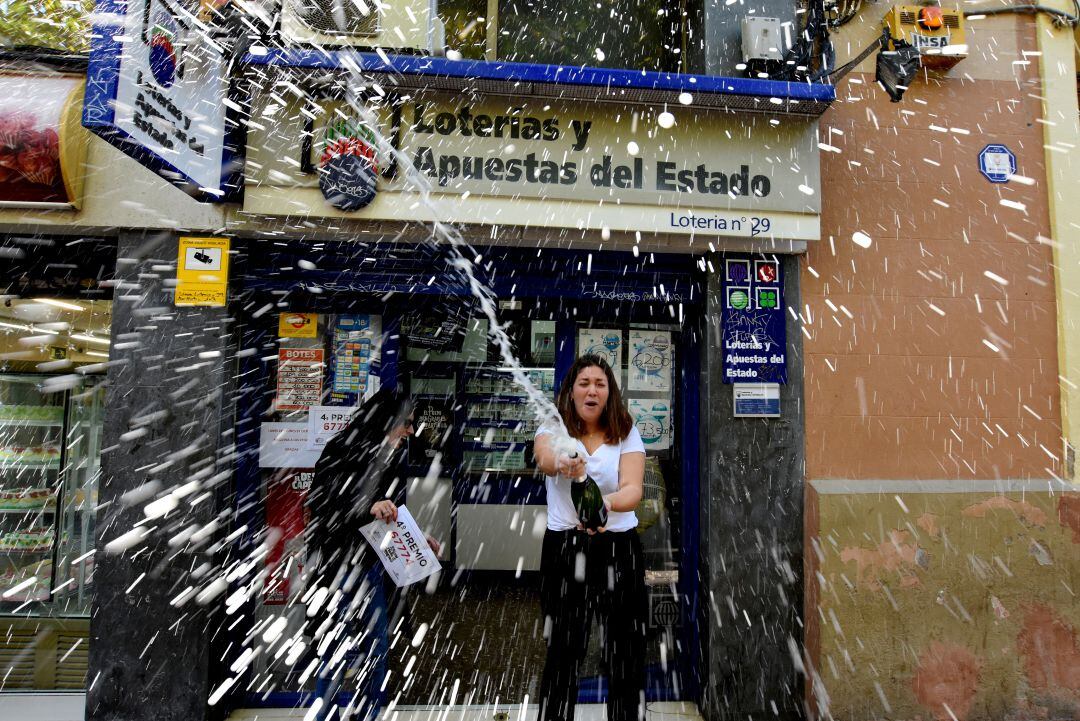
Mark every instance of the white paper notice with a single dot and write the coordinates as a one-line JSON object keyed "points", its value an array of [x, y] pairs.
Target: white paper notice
{"points": [[651, 358], [402, 547], [653, 421], [285, 445], [605, 343], [325, 422]]}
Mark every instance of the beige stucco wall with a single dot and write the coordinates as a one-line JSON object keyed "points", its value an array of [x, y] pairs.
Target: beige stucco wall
{"points": [[945, 599]]}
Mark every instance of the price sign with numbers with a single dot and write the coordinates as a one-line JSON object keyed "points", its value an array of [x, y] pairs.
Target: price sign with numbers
{"points": [[325, 422]]}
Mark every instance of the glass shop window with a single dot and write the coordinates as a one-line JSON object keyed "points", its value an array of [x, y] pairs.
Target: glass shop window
{"points": [[610, 33], [50, 452]]}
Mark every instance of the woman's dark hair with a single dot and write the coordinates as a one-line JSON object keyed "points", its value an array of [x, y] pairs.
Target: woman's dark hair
{"points": [[387, 407], [346, 480], [615, 420]]}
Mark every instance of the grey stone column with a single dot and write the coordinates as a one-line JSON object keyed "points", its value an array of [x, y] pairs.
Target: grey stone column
{"points": [[752, 535], [149, 659]]}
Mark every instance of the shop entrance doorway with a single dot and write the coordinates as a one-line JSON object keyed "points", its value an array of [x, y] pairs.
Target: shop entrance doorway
{"points": [[472, 483]]}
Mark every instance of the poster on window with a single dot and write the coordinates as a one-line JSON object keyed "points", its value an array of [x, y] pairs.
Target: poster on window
{"points": [[606, 343], [286, 518], [432, 418], [42, 145], [300, 375], [354, 352], [285, 445], [653, 420], [651, 361], [754, 326]]}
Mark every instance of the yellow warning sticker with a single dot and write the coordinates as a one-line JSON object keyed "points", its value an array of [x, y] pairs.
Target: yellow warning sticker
{"points": [[298, 325], [202, 271]]}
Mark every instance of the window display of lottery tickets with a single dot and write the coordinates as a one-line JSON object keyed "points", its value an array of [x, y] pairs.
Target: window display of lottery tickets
{"points": [[324, 361], [474, 421]]}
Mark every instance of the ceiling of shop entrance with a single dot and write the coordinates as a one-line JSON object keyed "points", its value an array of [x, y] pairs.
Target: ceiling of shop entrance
{"points": [[52, 329]]}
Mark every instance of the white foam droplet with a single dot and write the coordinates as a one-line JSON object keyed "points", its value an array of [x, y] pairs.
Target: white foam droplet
{"points": [[160, 507], [600, 55], [685, 98], [632, 148], [453, 55], [418, 637], [665, 120], [861, 239], [605, 233]]}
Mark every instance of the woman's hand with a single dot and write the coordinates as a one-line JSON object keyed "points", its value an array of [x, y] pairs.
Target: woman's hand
{"points": [[385, 511], [570, 467], [433, 544]]}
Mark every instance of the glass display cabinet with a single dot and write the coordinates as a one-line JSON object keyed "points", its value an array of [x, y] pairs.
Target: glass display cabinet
{"points": [[50, 448]]}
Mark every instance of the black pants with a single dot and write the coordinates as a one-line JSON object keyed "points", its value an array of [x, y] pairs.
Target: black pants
{"points": [[582, 576]]}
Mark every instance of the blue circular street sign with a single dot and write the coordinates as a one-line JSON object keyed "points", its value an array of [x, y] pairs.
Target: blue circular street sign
{"points": [[997, 163]]}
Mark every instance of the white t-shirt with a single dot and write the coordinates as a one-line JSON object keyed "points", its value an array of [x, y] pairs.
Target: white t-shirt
{"points": [[603, 467]]}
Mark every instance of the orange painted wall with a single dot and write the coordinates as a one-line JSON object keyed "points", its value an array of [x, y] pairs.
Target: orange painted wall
{"points": [[931, 355], [900, 380]]}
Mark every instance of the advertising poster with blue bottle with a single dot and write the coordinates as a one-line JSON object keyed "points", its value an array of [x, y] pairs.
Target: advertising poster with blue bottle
{"points": [[754, 334]]}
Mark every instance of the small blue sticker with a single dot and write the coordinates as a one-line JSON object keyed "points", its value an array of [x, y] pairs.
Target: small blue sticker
{"points": [[997, 163]]}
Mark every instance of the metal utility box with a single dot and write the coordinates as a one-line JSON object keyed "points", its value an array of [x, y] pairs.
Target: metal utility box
{"points": [[764, 41], [937, 32]]}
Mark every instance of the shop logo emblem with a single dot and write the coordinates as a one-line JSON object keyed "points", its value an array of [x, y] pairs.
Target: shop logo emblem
{"points": [[163, 50], [766, 298], [738, 298], [349, 167], [297, 320], [767, 271], [665, 612], [738, 271]]}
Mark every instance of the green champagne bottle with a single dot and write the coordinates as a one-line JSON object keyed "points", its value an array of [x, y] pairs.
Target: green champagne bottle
{"points": [[588, 501]]}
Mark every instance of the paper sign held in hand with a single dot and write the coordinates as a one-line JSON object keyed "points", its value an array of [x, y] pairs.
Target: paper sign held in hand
{"points": [[403, 548]]}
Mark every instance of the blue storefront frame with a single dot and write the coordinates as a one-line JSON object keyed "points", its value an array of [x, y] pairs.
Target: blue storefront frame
{"points": [[620, 286]]}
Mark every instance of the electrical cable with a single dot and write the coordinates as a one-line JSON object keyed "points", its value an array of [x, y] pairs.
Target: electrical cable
{"points": [[880, 43], [814, 35]]}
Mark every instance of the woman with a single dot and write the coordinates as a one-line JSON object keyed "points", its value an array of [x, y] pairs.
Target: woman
{"points": [[585, 573], [358, 477]]}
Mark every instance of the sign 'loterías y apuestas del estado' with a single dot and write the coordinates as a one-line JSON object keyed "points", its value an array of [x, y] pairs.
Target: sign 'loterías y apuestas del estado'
{"points": [[446, 162]]}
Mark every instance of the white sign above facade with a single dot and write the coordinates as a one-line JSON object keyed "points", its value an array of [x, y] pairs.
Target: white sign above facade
{"points": [[557, 165]]}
